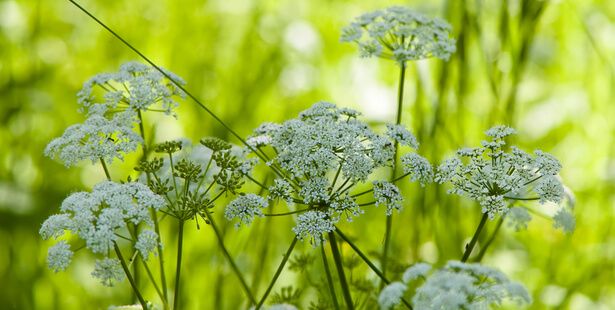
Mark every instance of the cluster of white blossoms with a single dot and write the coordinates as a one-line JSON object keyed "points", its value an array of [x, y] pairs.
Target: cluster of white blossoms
{"points": [[320, 156], [95, 217], [108, 132], [400, 34], [245, 208], [491, 176], [455, 286]]}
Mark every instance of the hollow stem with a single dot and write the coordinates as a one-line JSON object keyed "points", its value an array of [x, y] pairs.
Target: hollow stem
{"points": [[472, 243], [180, 241], [329, 278], [163, 277], [126, 269], [337, 258], [104, 165]]}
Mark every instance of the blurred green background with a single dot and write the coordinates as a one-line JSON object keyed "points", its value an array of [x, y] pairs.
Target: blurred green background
{"points": [[542, 67]]}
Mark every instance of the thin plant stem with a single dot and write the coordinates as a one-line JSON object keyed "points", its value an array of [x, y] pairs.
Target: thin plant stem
{"points": [[277, 273], [180, 241], [389, 220], [165, 305], [483, 249], [163, 277], [104, 165], [244, 285], [337, 258], [367, 261], [189, 94], [329, 278], [472, 243], [129, 276]]}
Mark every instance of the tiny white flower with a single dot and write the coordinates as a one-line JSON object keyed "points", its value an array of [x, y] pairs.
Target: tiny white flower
{"points": [[418, 167], [108, 270], [59, 256], [147, 243], [389, 195], [280, 190], [245, 208], [549, 189], [401, 134], [313, 225]]}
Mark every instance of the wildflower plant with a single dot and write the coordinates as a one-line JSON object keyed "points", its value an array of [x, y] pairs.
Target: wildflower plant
{"points": [[320, 158], [116, 213], [324, 162], [493, 177]]}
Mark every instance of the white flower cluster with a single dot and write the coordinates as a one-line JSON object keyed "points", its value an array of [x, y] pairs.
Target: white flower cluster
{"points": [[96, 216], [323, 153], [455, 286], [389, 195], [97, 138], [313, 225], [108, 132], [135, 86], [491, 176], [404, 34], [245, 208]]}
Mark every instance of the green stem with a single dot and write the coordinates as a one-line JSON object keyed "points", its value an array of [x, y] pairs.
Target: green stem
{"points": [[142, 132], [165, 305], [367, 261], [229, 258], [180, 241], [389, 220], [129, 276], [104, 165], [483, 249], [337, 258], [277, 273], [472, 243], [163, 277], [400, 94], [329, 278]]}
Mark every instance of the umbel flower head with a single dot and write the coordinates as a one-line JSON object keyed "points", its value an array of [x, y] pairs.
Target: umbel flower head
{"points": [[491, 176], [134, 87], [400, 34], [455, 286], [108, 132], [95, 217], [320, 156]]}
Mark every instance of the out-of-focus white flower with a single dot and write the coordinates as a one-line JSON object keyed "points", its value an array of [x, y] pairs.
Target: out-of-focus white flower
{"points": [[391, 295], [108, 270], [400, 34]]}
